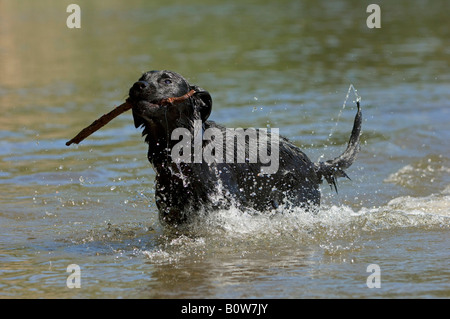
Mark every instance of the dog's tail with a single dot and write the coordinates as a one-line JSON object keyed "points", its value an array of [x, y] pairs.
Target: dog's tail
{"points": [[332, 169]]}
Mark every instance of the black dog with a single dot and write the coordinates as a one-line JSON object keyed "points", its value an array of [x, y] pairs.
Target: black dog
{"points": [[184, 188]]}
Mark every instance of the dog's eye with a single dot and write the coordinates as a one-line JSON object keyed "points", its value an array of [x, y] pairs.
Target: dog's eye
{"points": [[167, 81]]}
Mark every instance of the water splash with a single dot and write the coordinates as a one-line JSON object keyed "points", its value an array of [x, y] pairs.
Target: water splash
{"points": [[326, 223], [357, 99]]}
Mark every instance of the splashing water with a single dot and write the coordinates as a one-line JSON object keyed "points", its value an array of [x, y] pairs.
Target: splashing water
{"points": [[358, 99], [333, 229]]}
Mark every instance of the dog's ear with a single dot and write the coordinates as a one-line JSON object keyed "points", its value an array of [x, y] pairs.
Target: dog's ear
{"points": [[202, 102], [138, 121]]}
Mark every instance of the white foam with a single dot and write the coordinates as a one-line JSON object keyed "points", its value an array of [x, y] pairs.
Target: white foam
{"points": [[426, 170], [334, 228]]}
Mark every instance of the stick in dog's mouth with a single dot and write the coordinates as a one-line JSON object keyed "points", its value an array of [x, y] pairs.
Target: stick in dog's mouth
{"points": [[106, 118]]}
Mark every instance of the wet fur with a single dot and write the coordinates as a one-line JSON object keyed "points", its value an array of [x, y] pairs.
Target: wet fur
{"points": [[184, 189]]}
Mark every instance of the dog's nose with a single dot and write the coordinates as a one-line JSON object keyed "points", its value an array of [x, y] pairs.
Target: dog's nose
{"points": [[140, 85]]}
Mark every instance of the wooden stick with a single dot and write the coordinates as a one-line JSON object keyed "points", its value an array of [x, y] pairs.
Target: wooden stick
{"points": [[100, 122], [174, 100], [106, 118]]}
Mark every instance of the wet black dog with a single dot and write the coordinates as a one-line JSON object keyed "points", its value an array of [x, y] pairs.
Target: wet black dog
{"points": [[222, 176]]}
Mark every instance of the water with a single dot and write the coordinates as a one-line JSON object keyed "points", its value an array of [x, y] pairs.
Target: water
{"points": [[287, 65]]}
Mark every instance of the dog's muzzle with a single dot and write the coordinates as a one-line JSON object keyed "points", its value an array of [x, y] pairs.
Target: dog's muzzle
{"points": [[139, 90]]}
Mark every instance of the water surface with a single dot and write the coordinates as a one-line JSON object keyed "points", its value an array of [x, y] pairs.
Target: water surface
{"points": [[283, 64]]}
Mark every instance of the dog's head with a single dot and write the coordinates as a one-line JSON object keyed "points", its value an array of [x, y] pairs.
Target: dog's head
{"points": [[155, 86]]}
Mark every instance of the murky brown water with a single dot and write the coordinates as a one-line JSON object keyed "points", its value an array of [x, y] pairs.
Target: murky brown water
{"points": [[285, 64]]}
